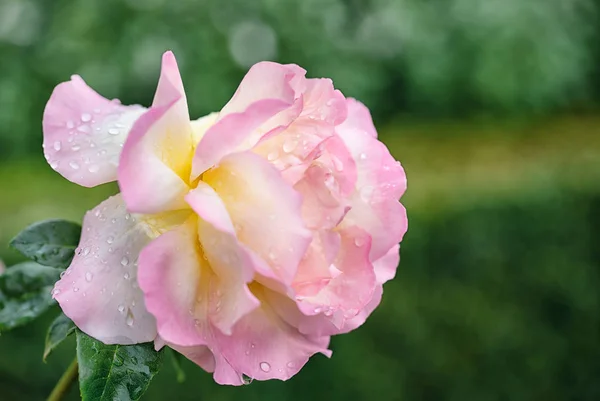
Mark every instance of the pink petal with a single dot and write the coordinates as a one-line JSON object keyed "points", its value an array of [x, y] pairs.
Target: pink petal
{"points": [[265, 80], [230, 263], [99, 291], [323, 102], [351, 283], [265, 210], [155, 163], [256, 108], [170, 85], [359, 118], [229, 133], [385, 267], [380, 183], [84, 133], [263, 346], [361, 317]]}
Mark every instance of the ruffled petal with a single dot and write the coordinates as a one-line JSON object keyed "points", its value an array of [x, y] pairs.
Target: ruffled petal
{"points": [[99, 291], [174, 276], [359, 118], [84, 132], [350, 284], [381, 181], [264, 346], [265, 210], [232, 266]]}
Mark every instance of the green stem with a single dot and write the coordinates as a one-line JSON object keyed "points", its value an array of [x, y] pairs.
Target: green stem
{"points": [[65, 382]]}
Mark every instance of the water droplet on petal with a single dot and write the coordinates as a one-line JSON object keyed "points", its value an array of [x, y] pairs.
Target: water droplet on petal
{"points": [[290, 365], [121, 308], [290, 145], [75, 289], [126, 276], [127, 216], [272, 156], [74, 165], [70, 124], [359, 241], [265, 367], [329, 103], [125, 261], [88, 276], [75, 147], [93, 168], [113, 131], [85, 117], [57, 145], [110, 239], [129, 320], [62, 274], [363, 156]]}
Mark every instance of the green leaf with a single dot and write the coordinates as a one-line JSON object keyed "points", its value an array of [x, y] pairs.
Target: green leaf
{"points": [[115, 372], [176, 358], [25, 293], [49, 242], [61, 328]]}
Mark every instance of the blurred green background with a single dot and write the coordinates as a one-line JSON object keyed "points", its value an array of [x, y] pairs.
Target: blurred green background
{"points": [[492, 107]]}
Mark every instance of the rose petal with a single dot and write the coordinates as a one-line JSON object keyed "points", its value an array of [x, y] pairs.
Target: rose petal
{"points": [[233, 268], [84, 132], [265, 210], [263, 346], [351, 283], [359, 118], [99, 291], [381, 181]]}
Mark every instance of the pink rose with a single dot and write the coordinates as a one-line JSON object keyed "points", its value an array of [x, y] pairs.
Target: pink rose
{"points": [[244, 239]]}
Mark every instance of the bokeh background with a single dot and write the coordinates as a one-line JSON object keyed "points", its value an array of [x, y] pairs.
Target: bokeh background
{"points": [[492, 107]]}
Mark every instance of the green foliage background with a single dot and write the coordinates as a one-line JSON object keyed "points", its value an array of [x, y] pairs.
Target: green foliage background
{"points": [[491, 105]]}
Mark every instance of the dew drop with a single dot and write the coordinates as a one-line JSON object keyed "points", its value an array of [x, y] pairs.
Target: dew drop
{"points": [[88, 276], [57, 145], [265, 367], [124, 261], [93, 168], [62, 274], [359, 241], [363, 156], [126, 276], [75, 289], [272, 156], [84, 128], [290, 365], [121, 308], [329, 103], [113, 131], [74, 165], [85, 117], [129, 320], [113, 221], [75, 147], [70, 124], [290, 145], [110, 239]]}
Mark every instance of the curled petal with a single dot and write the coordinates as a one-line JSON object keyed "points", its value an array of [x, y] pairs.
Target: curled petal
{"points": [[230, 298], [264, 346], [359, 118], [99, 291], [155, 163], [381, 181], [84, 133], [170, 85], [265, 210], [172, 275], [350, 284]]}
